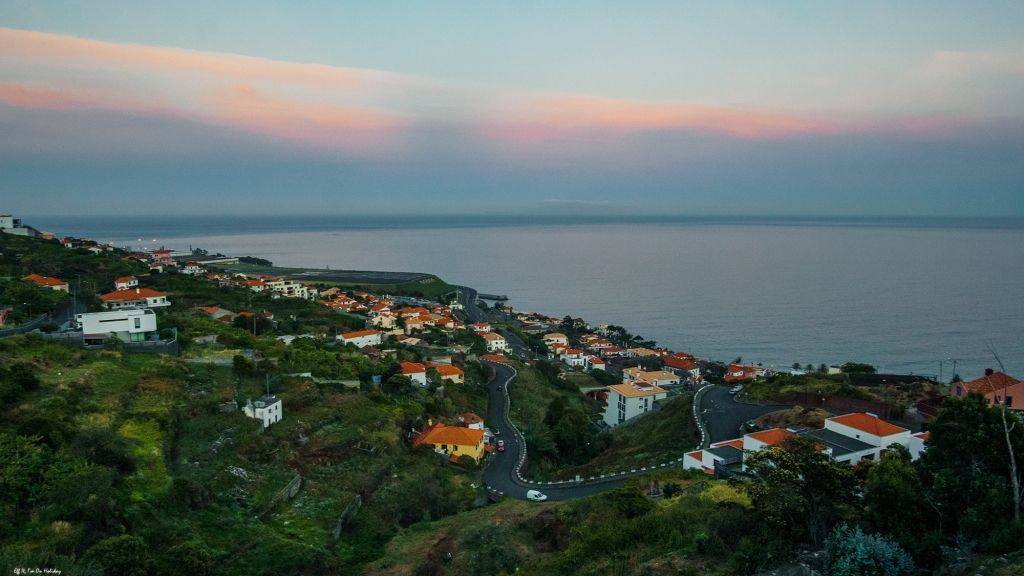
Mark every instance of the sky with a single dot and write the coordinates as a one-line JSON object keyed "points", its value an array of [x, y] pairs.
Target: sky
{"points": [[641, 107]]}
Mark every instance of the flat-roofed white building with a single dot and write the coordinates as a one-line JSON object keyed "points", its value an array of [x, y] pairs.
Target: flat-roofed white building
{"points": [[130, 325], [628, 400]]}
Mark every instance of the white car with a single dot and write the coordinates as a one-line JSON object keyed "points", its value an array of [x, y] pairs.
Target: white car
{"points": [[535, 496]]}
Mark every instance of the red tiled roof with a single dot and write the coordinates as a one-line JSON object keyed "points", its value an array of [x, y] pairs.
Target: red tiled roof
{"points": [[680, 363], [869, 424], [125, 279], [445, 370], [924, 436], [470, 418], [737, 444], [359, 334], [773, 436], [413, 368], [44, 280], [441, 434], [494, 358], [131, 294], [990, 384], [697, 454]]}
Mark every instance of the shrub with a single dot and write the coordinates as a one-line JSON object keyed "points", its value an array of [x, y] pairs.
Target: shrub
{"points": [[122, 556], [851, 552]]}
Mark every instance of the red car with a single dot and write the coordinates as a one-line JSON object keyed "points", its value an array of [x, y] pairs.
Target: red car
{"points": [[501, 445]]}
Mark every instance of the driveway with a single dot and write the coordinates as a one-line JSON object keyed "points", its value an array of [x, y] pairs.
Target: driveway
{"points": [[724, 416]]}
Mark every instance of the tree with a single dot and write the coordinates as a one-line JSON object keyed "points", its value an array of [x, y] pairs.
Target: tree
{"points": [[855, 368], [241, 366], [796, 366], [556, 409], [801, 490], [851, 552], [822, 368], [894, 497], [966, 469], [123, 555]]}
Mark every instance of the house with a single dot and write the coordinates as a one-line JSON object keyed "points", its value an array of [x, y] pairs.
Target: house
{"points": [[47, 282], [361, 338], [372, 352], [254, 285], [453, 441], [723, 453], [217, 313], [640, 353], [659, 378], [162, 258], [481, 327], [574, 357], [682, 365], [996, 387], [137, 298], [266, 409], [495, 343], [736, 372], [193, 269], [11, 225], [130, 325], [556, 338], [416, 372], [628, 400], [869, 429], [451, 373], [766, 438], [595, 363], [470, 420], [126, 282]]}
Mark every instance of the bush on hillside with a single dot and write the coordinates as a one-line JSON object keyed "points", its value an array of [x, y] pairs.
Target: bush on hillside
{"points": [[851, 552]]}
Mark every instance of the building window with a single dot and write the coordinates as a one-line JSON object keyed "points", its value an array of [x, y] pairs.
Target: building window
{"points": [[959, 391], [138, 323], [1009, 401]]}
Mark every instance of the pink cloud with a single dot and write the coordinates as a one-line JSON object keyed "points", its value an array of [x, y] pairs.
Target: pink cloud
{"points": [[245, 107], [40, 46], [547, 117], [64, 99]]}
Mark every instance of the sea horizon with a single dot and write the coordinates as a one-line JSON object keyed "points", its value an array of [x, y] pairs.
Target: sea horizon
{"points": [[900, 293]]}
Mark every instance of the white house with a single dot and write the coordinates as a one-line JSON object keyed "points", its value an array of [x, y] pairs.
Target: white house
{"points": [[126, 282], [361, 338], [595, 363], [869, 429], [266, 409], [471, 420], [628, 400], [726, 453], [193, 269], [416, 372], [574, 357], [482, 327], [130, 325], [556, 338], [495, 342], [134, 298]]}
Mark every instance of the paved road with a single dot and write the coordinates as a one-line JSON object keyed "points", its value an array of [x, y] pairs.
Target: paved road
{"points": [[724, 416], [501, 474]]}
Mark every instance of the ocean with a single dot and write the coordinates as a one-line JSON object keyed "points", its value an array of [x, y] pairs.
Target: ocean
{"points": [[903, 294]]}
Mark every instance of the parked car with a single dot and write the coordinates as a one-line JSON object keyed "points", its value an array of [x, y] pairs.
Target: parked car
{"points": [[535, 496], [499, 388], [501, 445], [735, 389]]}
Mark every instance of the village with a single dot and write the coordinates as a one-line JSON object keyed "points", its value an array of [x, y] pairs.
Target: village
{"points": [[453, 374]]}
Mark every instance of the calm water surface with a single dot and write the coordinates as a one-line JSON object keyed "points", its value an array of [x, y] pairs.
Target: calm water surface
{"points": [[901, 298]]}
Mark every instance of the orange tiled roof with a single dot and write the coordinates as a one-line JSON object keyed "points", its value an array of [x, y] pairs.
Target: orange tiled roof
{"points": [[492, 336], [359, 334], [44, 280], [869, 424], [125, 279], [413, 368], [494, 358], [131, 294], [737, 444], [445, 370], [697, 454], [470, 418], [990, 384], [773, 436], [441, 434]]}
